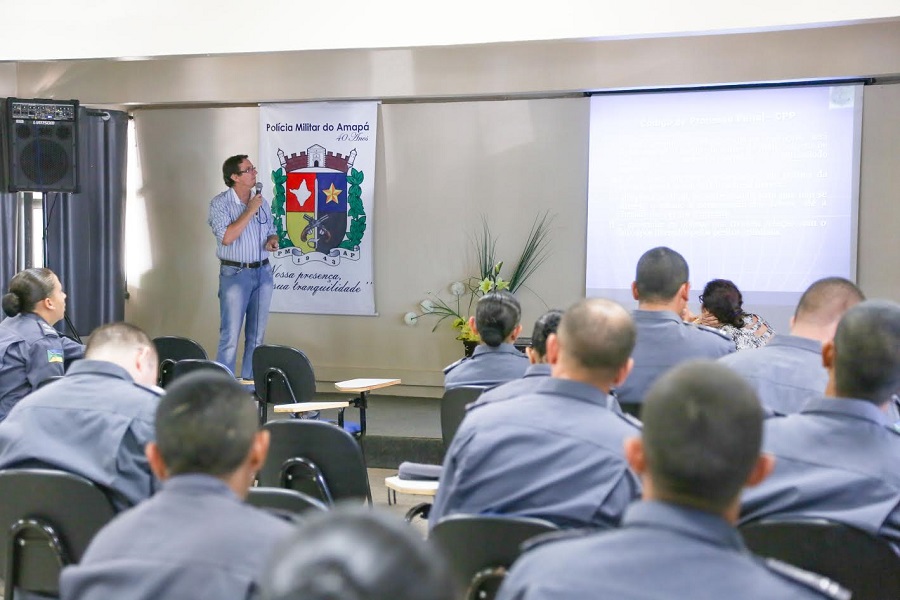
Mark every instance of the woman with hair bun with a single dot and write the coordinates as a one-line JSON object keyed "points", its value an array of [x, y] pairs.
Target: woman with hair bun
{"points": [[496, 359], [722, 307], [31, 350]]}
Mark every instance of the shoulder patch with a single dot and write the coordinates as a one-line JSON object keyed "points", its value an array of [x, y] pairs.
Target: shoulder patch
{"points": [[54, 355], [825, 586], [555, 536]]}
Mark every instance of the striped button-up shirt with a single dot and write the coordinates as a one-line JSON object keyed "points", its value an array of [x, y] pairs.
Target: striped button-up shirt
{"points": [[249, 247]]}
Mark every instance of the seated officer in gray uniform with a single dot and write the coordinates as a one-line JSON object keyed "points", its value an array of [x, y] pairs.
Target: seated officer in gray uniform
{"points": [[96, 420], [700, 445], [838, 457], [556, 451], [788, 371], [31, 351], [661, 286], [538, 366], [495, 360], [196, 538]]}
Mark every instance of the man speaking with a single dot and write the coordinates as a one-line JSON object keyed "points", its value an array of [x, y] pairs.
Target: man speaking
{"points": [[245, 233]]}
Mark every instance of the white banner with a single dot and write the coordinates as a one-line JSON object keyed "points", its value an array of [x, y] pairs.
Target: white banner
{"points": [[317, 161]]}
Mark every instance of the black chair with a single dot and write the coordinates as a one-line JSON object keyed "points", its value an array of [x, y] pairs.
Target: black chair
{"points": [[316, 458], [857, 560], [453, 409], [283, 502], [281, 375], [481, 548], [192, 365], [171, 349], [48, 517]]}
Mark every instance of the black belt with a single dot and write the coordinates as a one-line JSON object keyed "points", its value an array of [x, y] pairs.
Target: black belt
{"points": [[254, 265]]}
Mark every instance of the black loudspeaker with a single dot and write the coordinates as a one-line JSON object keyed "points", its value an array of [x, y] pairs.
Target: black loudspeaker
{"points": [[41, 145]]}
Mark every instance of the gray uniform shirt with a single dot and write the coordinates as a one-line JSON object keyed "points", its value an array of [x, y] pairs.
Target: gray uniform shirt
{"points": [[30, 352], [194, 539], [93, 422], [663, 341], [662, 552], [517, 387], [836, 459], [787, 372], [554, 453], [486, 367]]}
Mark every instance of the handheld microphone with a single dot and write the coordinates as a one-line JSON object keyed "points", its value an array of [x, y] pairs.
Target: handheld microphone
{"points": [[259, 215]]}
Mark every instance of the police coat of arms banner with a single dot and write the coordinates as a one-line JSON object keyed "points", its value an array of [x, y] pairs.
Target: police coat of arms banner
{"points": [[317, 163]]}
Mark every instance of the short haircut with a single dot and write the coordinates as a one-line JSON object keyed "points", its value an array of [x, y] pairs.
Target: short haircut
{"points": [[598, 335], [356, 553], [545, 325], [231, 167], [117, 335], [702, 434], [724, 300], [205, 423], [26, 289], [867, 352], [660, 273], [826, 300], [496, 315]]}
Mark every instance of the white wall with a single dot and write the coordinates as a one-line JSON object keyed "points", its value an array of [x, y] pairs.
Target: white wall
{"points": [[8, 79]]}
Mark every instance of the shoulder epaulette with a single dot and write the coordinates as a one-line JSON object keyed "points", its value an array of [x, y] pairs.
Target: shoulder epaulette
{"points": [[47, 330], [825, 586], [452, 366], [555, 536], [632, 420], [718, 332], [150, 388]]}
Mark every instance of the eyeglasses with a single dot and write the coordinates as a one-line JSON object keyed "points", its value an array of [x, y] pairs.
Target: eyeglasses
{"points": [[247, 170], [701, 299]]}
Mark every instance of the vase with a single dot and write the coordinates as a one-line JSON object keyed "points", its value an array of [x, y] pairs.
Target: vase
{"points": [[469, 346]]}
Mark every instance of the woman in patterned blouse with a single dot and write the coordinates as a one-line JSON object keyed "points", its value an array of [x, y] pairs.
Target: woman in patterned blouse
{"points": [[722, 308]]}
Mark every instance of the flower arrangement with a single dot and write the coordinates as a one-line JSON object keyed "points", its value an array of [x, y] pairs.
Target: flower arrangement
{"points": [[489, 278]]}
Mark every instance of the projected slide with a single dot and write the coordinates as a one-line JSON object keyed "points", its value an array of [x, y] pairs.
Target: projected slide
{"points": [[756, 185]]}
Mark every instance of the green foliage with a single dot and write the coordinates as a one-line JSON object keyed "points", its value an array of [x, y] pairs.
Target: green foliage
{"points": [[278, 201], [355, 211]]}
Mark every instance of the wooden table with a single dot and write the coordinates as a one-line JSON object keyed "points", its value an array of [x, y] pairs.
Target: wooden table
{"points": [[362, 386]]}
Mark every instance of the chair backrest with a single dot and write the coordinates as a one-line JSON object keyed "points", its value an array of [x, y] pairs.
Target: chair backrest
{"points": [[453, 409], [171, 349], [47, 518], [281, 375], [301, 450], [283, 501], [480, 548], [859, 561], [192, 365]]}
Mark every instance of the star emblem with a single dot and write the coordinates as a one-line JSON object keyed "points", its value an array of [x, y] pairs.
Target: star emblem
{"points": [[331, 194]]}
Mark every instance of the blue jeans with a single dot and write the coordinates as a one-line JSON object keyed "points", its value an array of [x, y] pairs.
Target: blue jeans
{"points": [[243, 292]]}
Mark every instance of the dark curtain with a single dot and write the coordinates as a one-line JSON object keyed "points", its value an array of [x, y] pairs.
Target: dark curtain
{"points": [[9, 217], [85, 232]]}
